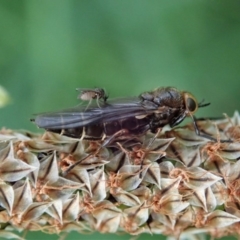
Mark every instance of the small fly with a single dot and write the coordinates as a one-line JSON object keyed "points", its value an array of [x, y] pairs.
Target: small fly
{"points": [[88, 94], [122, 118]]}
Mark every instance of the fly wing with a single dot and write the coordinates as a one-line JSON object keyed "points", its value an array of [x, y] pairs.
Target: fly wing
{"points": [[112, 110]]}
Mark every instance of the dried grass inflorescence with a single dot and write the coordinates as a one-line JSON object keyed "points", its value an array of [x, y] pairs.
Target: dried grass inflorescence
{"points": [[174, 183]]}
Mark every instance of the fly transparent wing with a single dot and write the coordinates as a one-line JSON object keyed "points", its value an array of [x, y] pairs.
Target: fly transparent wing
{"points": [[115, 109]]}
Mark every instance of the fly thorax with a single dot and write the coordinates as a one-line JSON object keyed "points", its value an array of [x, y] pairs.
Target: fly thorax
{"points": [[169, 97]]}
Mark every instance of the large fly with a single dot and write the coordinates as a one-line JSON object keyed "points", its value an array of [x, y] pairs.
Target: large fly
{"points": [[124, 118]]}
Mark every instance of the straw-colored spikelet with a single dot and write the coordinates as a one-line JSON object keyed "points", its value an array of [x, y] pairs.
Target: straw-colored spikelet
{"points": [[174, 183]]}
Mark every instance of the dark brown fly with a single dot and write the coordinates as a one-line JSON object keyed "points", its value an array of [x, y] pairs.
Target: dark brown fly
{"points": [[125, 117]]}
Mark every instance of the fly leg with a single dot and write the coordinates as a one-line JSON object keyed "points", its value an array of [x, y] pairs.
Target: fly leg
{"points": [[89, 103], [154, 138], [114, 137], [78, 162], [97, 100], [106, 142], [138, 152], [198, 132]]}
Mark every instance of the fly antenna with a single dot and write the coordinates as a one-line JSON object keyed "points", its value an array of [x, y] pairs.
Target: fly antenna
{"points": [[202, 104]]}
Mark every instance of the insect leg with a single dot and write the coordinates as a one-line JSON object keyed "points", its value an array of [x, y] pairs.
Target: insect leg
{"points": [[198, 132], [88, 104], [115, 136], [78, 162], [105, 143], [97, 100], [83, 134], [154, 138]]}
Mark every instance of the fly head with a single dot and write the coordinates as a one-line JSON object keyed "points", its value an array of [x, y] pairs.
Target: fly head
{"points": [[187, 109]]}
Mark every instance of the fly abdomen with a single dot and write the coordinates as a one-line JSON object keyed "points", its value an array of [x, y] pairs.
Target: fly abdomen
{"points": [[93, 132], [136, 126], [89, 94], [101, 130], [132, 125]]}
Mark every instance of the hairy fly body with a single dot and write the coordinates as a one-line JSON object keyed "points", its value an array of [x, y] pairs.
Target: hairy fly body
{"points": [[127, 116]]}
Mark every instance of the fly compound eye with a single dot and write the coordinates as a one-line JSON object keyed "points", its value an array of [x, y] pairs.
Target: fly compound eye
{"points": [[191, 103]]}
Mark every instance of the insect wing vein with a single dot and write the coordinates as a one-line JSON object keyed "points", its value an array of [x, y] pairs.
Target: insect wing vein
{"points": [[78, 117]]}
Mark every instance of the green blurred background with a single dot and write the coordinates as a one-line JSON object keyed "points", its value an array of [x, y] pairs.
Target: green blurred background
{"points": [[50, 47]]}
